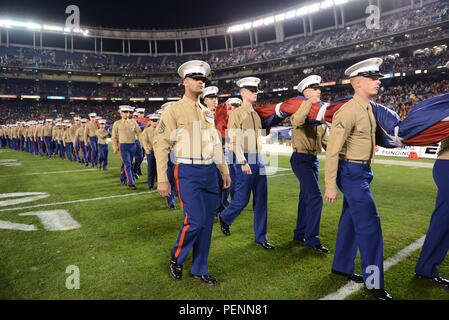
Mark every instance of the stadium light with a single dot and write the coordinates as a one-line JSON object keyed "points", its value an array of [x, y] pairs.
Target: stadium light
{"points": [[306, 10], [8, 23], [280, 17], [11, 23], [326, 4], [258, 23], [267, 21], [290, 14]]}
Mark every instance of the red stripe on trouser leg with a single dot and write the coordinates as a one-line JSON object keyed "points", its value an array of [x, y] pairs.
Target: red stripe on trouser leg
{"points": [[177, 184], [183, 234]]}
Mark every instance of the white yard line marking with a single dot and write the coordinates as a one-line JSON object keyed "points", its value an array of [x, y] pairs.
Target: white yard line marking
{"points": [[51, 172], [10, 163], [280, 175], [352, 287], [16, 226], [80, 200]]}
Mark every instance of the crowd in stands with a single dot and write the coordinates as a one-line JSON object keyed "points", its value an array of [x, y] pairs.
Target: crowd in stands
{"points": [[392, 24], [270, 81], [401, 98]]}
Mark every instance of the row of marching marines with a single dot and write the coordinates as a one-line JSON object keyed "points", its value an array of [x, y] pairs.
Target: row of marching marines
{"points": [[210, 157]]}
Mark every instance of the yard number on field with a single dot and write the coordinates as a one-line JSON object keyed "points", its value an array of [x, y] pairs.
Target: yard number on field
{"points": [[52, 220]]}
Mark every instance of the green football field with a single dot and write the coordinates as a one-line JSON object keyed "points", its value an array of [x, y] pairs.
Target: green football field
{"points": [[119, 240]]}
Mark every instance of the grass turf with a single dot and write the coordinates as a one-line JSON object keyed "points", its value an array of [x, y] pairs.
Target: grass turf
{"points": [[122, 248]]}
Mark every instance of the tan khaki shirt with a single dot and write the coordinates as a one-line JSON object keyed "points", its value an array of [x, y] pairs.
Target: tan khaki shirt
{"points": [[186, 128], [244, 127], [102, 135], [73, 130], [60, 133], [125, 131], [147, 137], [91, 128], [352, 137], [47, 131], [35, 132], [306, 138], [66, 137], [79, 135], [55, 133], [444, 151], [40, 132]]}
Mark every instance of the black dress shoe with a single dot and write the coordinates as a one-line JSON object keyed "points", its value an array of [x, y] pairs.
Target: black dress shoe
{"points": [[223, 226], [175, 269], [266, 245], [207, 279], [319, 248], [132, 187], [354, 277], [172, 207], [379, 294], [437, 279]]}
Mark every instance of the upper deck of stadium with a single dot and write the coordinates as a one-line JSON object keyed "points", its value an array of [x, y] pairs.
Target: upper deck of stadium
{"points": [[318, 25]]}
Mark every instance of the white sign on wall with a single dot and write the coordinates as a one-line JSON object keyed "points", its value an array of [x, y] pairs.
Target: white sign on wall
{"points": [[430, 152]]}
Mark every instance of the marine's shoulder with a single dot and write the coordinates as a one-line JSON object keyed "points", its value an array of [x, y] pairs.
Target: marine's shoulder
{"points": [[347, 109]]}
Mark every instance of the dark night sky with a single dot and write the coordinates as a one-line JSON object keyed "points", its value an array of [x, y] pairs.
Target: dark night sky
{"points": [[165, 14]]}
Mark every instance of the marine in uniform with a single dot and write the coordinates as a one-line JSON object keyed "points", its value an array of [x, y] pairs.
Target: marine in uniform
{"points": [[64, 138], [138, 157], [79, 137], [34, 137], [20, 137], [350, 151], [91, 139], [48, 133], [244, 127], [210, 100], [170, 199], [436, 244], [230, 157], [2, 136], [75, 142], [124, 133], [40, 137], [307, 143], [26, 136], [103, 146], [55, 137], [146, 139], [68, 140], [198, 153]]}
